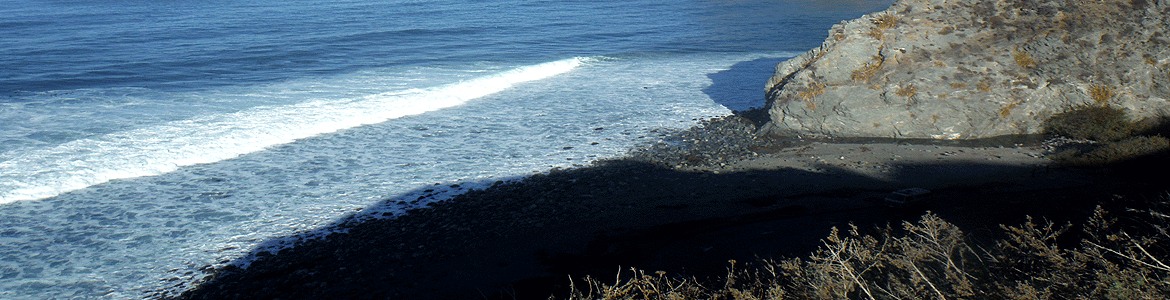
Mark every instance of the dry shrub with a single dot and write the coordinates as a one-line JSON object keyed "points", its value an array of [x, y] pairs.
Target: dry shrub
{"points": [[1007, 109], [1101, 93], [868, 70], [639, 286], [983, 86], [1098, 123], [876, 33], [1023, 59], [1109, 264], [907, 91], [814, 89], [882, 23], [932, 259], [1126, 149]]}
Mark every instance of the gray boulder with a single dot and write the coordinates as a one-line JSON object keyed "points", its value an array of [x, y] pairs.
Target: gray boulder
{"points": [[962, 69]]}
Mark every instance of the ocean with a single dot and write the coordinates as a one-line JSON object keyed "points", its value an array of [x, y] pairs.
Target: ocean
{"points": [[142, 141]]}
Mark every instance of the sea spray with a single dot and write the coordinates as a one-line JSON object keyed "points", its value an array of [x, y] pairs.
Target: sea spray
{"points": [[156, 150]]}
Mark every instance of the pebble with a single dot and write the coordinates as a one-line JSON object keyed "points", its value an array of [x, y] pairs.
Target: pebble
{"points": [[714, 142]]}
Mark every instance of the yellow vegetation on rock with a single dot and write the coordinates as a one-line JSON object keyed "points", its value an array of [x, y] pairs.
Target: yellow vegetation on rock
{"points": [[1007, 109], [868, 70], [1101, 93], [881, 24], [1023, 59], [885, 21], [814, 89], [907, 91], [983, 87]]}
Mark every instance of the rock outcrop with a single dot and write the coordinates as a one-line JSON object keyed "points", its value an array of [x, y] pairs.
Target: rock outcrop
{"points": [[960, 69]]}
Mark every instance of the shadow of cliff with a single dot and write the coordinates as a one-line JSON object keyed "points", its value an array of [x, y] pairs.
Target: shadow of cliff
{"points": [[525, 239], [740, 87]]}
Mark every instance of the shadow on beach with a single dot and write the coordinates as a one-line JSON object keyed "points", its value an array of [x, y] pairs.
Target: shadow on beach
{"points": [[530, 238], [526, 239]]}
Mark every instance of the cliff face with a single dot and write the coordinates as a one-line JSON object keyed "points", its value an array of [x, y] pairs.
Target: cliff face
{"points": [[958, 69]]}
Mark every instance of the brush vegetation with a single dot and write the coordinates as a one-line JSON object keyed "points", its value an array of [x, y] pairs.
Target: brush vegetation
{"points": [[814, 89], [882, 23], [1101, 93], [1094, 122], [1023, 59], [868, 70], [1108, 133], [934, 259]]}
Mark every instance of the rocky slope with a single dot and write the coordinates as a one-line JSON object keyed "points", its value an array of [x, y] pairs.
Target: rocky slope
{"points": [[960, 69]]}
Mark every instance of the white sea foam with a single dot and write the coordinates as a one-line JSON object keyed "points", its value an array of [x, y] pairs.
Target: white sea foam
{"points": [[156, 150], [128, 239]]}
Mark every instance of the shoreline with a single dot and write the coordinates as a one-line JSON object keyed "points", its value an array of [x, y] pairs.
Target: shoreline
{"points": [[684, 206]]}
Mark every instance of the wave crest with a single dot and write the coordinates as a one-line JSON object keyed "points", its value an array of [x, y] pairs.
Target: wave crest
{"points": [[160, 149]]}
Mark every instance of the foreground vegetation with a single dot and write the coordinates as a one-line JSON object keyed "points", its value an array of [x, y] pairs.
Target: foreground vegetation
{"points": [[1120, 255], [1105, 257]]}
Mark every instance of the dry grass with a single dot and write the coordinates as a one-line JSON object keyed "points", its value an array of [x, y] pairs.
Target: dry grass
{"points": [[882, 23], [876, 33], [820, 53], [1097, 123], [1101, 93], [1007, 109], [814, 89], [933, 259], [983, 86], [907, 91], [868, 70], [1023, 59], [1122, 150]]}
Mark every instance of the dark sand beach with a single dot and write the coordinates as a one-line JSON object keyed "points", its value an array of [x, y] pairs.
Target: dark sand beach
{"points": [[684, 207]]}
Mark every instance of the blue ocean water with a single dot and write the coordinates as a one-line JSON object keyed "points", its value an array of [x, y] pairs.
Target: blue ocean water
{"points": [[141, 141]]}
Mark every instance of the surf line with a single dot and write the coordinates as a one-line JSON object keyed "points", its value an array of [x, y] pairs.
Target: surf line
{"points": [[156, 150]]}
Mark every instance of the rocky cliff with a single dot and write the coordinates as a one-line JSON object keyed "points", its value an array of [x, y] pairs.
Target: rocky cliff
{"points": [[959, 69]]}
